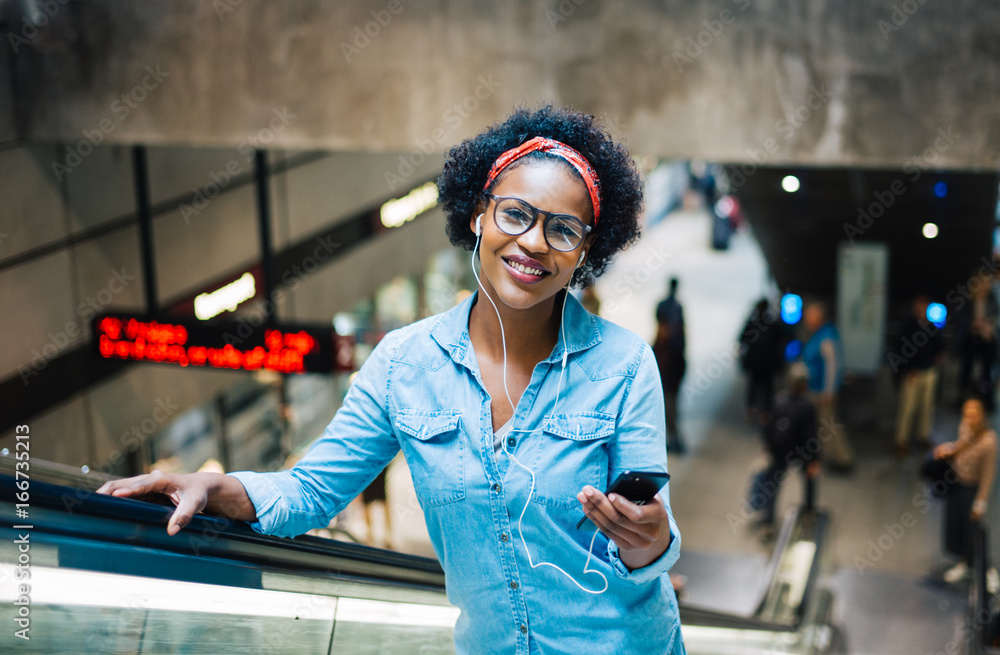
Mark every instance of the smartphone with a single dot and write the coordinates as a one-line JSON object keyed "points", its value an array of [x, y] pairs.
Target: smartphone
{"points": [[637, 486]]}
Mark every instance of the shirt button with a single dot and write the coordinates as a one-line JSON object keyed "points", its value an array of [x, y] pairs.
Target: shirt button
{"points": [[524, 629], [496, 487], [511, 442], [504, 538], [513, 584]]}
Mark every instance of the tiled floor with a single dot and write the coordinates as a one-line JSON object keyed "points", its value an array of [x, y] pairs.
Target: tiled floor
{"points": [[885, 600]]}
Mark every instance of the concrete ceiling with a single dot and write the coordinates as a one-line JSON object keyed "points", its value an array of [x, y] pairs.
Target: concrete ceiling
{"points": [[827, 83], [801, 232]]}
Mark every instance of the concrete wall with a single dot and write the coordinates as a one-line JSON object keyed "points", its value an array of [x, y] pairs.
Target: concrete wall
{"points": [[69, 245], [840, 83]]}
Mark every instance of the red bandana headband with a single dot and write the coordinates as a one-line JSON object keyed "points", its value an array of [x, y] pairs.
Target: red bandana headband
{"points": [[543, 144]]}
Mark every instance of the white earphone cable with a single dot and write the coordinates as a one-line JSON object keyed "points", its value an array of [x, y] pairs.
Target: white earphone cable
{"points": [[503, 341]]}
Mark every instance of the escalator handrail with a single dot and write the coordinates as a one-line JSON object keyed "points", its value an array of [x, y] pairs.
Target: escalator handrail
{"points": [[979, 598], [55, 508], [819, 538], [781, 545], [704, 617]]}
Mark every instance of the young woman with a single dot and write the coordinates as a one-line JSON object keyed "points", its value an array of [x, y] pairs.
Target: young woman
{"points": [[974, 459], [514, 411]]}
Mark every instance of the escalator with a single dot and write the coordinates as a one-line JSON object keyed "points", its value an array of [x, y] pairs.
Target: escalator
{"points": [[981, 628], [106, 578], [794, 613]]}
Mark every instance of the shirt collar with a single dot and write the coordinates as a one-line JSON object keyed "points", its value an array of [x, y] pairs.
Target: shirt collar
{"points": [[451, 330]]}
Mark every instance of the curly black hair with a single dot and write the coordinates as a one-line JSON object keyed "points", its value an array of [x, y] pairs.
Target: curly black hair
{"points": [[460, 186]]}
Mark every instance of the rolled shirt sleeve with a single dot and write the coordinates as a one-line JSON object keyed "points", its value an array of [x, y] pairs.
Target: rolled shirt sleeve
{"points": [[640, 444], [654, 569], [356, 446]]}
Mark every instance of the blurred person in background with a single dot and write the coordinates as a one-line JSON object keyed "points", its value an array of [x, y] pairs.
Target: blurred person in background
{"points": [[668, 347], [377, 515], [789, 435], [915, 359], [761, 347], [973, 458], [979, 342], [823, 354]]}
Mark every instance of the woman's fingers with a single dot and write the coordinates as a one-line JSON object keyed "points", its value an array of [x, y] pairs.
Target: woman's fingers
{"points": [[188, 505], [189, 496], [630, 525], [140, 485]]}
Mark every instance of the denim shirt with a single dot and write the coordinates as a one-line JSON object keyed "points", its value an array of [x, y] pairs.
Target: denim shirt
{"points": [[421, 391]]}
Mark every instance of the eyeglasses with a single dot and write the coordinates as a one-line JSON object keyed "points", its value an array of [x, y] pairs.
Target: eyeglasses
{"points": [[514, 216]]}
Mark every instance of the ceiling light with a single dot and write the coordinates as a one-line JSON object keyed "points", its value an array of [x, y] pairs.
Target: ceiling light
{"points": [[790, 183], [930, 230]]}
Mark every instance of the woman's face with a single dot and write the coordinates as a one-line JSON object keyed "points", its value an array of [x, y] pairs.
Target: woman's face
{"points": [[813, 317], [549, 186], [972, 414]]}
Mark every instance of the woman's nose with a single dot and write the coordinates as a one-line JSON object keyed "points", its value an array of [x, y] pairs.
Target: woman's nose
{"points": [[534, 239]]}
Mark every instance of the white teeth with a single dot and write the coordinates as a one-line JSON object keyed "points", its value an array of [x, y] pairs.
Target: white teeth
{"points": [[524, 269]]}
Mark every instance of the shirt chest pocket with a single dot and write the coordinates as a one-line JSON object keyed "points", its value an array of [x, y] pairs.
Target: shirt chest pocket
{"points": [[570, 452], [434, 447]]}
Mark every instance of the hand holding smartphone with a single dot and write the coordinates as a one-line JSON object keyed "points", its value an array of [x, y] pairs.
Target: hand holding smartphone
{"points": [[639, 487]]}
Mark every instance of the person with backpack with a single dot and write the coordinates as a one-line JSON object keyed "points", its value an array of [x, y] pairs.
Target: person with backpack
{"points": [[790, 439]]}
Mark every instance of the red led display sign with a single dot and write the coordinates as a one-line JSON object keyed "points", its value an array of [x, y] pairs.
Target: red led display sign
{"points": [[238, 346]]}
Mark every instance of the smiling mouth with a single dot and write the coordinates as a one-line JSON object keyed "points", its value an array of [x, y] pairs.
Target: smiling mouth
{"points": [[527, 270]]}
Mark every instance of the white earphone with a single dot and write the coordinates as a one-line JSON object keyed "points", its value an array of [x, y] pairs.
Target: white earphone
{"points": [[503, 443]]}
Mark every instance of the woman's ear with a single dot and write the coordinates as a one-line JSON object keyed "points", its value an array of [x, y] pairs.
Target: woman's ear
{"points": [[477, 213]]}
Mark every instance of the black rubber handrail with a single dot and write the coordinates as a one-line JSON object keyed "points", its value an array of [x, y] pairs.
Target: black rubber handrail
{"points": [[79, 512]]}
